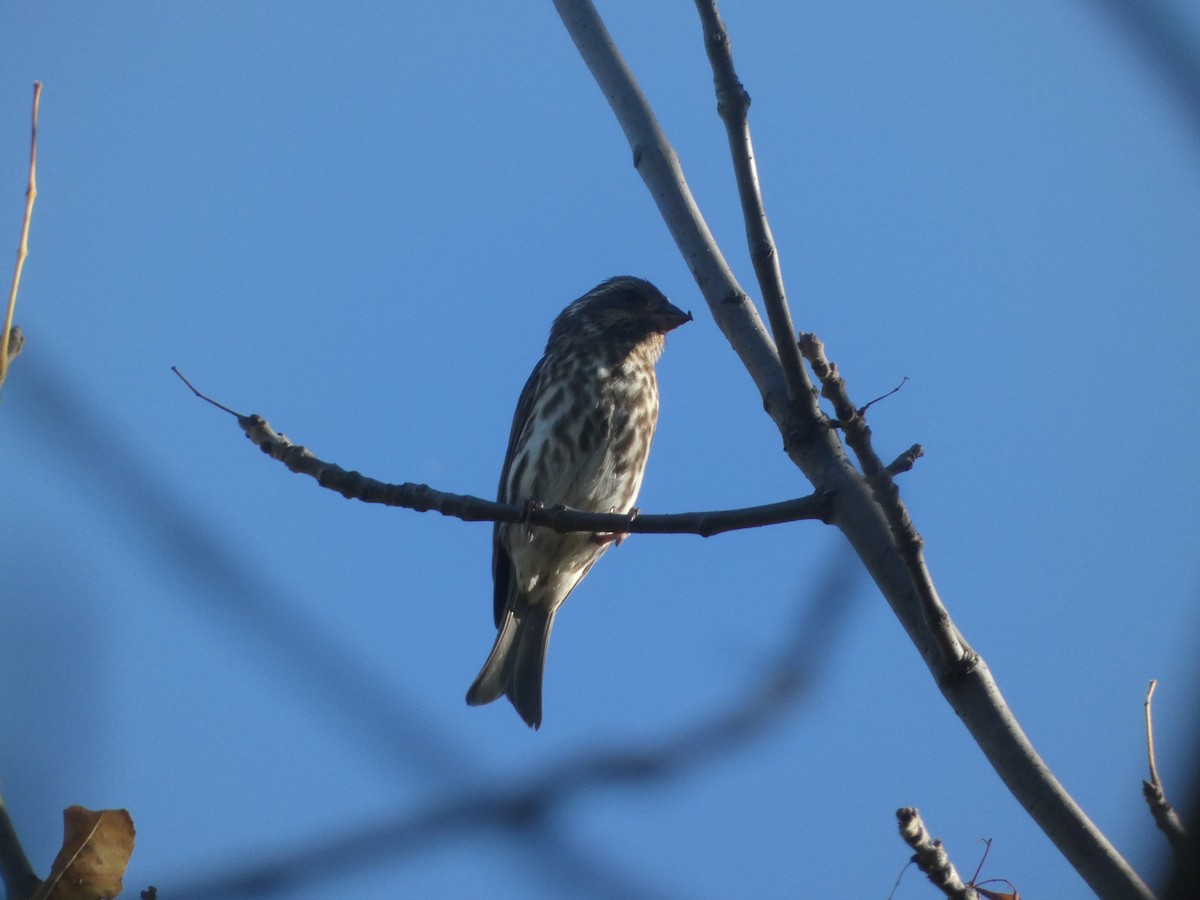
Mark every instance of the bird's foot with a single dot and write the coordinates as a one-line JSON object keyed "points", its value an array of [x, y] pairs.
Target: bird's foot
{"points": [[617, 536], [531, 506], [633, 514]]}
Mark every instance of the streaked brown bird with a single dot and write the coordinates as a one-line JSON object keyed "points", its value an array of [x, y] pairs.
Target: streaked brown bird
{"points": [[580, 437]]}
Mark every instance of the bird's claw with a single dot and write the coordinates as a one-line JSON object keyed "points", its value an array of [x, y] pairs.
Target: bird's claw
{"points": [[633, 514], [617, 537], [531, 506]]}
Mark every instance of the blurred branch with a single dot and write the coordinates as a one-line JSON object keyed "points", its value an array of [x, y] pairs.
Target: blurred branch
{"points": [[864, 510], [1168, 41], [787, 679], [422, 498], [1164, 814], [11, 339], [369, 712], [372, 714], [1183, 878], [20, 881]]}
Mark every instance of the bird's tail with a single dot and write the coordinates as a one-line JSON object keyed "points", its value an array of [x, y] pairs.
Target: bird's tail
{"points": [[518, 658]]}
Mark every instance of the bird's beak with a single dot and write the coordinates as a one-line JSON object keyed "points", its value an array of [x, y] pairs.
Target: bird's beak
{"points": [[671, 317]]}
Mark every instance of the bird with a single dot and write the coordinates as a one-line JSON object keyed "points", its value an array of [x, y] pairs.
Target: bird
{"points": [[580, 438]]}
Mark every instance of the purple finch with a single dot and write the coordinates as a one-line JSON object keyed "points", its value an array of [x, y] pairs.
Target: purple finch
{"points": [[580, 438]]}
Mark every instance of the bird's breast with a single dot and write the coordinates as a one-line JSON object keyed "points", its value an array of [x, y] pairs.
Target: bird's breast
{"points": [[588, 436]]}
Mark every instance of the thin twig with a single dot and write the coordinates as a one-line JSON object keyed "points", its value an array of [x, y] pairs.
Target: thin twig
{"points": [[1164, 814], [862, 409], [954, 651], [422, 498], [205, 397], [10, 346], [658, 165], [1150, 730], [733, 106], [987, 848]]}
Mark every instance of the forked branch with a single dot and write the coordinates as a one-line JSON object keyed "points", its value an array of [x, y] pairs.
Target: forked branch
{"points": [[867, 510], [1165, 816]]}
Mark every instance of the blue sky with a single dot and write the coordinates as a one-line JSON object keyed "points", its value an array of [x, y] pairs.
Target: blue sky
{"points": [[360, 225]]}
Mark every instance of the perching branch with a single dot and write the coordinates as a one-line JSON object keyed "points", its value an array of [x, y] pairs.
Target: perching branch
{"points": [[11, 339], [859, 511], [422, 498], [1164, 814]]}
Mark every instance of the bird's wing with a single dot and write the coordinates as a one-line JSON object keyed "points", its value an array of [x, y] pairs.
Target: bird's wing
{"points": [[502, 575]]}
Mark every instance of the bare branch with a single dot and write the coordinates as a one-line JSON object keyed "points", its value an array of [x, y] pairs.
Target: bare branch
{"points": [[733, 106], [207, 399], [11, 341], [908, 540], [658, 165], [931, 857], [886, 543], [906, 460], [1164, 814], [422, 498]]}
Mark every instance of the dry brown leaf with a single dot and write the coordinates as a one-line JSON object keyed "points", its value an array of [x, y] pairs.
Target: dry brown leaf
{"points": [[996, 895], [96, 848]]}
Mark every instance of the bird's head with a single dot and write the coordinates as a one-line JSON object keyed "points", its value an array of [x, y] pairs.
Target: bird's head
{"points": [[623, 309]]}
